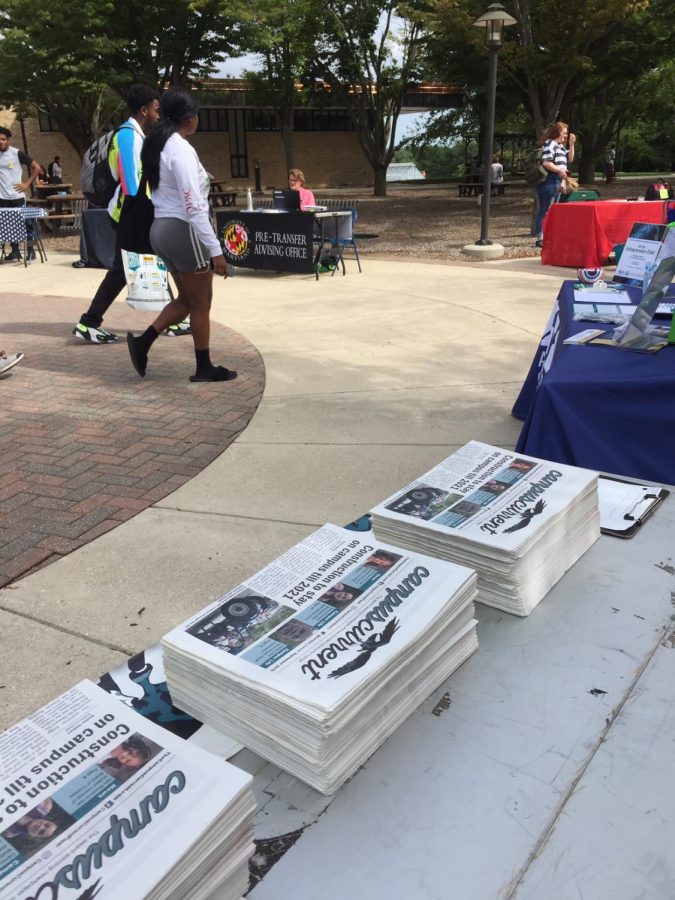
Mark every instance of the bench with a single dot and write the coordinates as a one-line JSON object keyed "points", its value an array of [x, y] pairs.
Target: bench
{"points": [[469, 189], [465, 189], [333, 204]]}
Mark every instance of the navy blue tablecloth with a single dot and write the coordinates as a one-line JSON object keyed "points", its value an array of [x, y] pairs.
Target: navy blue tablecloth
{"points": [[599, 407]]}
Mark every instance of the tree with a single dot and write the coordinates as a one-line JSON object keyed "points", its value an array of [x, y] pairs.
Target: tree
{"points": [[369, 58], [75, 60], [283, 33], [52, 57], [586, 61], [171, 42], [628, 77]]}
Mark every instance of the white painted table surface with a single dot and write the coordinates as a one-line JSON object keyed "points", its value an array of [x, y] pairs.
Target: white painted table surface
{"points": [[527, 785]]}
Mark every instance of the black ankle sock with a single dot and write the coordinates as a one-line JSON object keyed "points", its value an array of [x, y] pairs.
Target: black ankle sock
{"points": [[145, 341], [204, 364]]}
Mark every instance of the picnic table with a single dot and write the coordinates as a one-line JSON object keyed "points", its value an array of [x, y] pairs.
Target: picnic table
{"points": [[65, 211], [42, 191]]}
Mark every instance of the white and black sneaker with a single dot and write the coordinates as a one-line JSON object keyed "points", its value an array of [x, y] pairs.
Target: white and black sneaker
{"points": [[93, 335]]}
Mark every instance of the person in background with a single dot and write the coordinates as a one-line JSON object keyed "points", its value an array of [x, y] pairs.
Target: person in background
{"points": [[555, 158], [12, 188], [296, 182], [181, 233], [496, 174], [54, 171], [124, 158], [609, 165]]}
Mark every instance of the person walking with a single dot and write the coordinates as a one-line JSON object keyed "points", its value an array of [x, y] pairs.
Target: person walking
{"points": [[555, 158], [12, 188], [181, 233], [124, 158]]}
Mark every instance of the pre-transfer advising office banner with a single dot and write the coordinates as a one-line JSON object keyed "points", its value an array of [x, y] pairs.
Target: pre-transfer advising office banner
{"points": [[280, 241]]}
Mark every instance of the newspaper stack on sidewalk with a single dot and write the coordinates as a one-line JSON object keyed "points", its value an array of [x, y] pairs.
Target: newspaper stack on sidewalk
{"points": [[96, 801], [318, 658], [520, 522]]}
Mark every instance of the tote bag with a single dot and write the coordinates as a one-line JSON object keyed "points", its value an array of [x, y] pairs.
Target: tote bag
{"points": [[147, 281]]}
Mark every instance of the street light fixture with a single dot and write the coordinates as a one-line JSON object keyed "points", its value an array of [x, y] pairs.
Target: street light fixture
{"points": [[494, 20]]}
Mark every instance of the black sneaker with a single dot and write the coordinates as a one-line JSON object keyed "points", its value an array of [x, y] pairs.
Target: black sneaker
{"points": [[14, 256]]}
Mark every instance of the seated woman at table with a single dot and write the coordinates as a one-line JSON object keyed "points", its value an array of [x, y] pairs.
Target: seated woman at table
{"points": [[555, 158], [296, 182]]}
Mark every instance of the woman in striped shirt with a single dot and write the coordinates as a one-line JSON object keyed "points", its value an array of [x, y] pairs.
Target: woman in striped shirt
{"points": [[555, 158]]}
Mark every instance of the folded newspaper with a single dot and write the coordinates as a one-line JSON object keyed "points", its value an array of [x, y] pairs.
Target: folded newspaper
{"points": [[317, 659], [520, 522], [96, 801]]}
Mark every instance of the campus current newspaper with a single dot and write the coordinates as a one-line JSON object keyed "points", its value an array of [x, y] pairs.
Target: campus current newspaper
{"points": [[317, 658], [96, 801], [521, 522]]}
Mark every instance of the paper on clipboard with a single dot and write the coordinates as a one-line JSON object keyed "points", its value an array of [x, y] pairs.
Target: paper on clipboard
{"points": [[624, 506]]}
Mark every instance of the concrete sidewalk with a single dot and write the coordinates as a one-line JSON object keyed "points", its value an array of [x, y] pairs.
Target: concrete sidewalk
{"points": [[371, 379]]}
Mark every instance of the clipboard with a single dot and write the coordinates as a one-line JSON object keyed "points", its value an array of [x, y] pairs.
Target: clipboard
{"points": [[626, 505]]}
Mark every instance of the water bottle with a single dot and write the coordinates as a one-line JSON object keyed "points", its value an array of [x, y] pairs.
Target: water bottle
{"points": [[249, 199]]}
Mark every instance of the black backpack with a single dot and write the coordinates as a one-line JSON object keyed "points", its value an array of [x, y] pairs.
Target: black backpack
{"points": [[98, 182]]}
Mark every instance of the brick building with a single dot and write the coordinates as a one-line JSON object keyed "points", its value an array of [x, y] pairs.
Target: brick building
{"points": [[234, 136]]}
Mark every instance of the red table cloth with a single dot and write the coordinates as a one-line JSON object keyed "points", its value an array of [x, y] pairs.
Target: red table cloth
{"points": [[584, 234]]}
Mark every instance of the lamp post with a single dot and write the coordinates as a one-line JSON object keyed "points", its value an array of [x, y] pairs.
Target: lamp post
{"points": [[494, 20]]}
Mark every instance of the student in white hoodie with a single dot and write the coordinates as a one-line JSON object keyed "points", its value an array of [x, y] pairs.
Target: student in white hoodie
{"points": [[181, 233]]}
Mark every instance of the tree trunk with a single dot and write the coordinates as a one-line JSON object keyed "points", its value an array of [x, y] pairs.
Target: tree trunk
{"points": [[587, 166], [380, 189]]}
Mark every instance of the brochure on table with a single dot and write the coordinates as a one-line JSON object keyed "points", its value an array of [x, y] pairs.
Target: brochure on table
{"points": [[637, 333], [647, 245]]}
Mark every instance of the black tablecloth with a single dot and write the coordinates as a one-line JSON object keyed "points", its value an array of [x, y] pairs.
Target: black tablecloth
{"points": [[97, 239]]}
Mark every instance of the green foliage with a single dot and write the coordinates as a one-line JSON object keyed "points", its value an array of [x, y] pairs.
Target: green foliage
{"points": [[76, 59], [594, 63], [441, 162], [283, 34], [369, 54]]}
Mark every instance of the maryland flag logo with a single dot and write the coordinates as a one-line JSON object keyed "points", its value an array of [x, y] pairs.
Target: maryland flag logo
{"points": [[235, 240]]}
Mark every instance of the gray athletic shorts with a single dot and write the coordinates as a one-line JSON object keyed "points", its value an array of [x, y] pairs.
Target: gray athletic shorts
{"points": [[176, 242]]}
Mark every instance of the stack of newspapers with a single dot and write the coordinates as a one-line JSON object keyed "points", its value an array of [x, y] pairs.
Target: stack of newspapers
{"points": [[97, 801], [318, 658], [520, 522]]}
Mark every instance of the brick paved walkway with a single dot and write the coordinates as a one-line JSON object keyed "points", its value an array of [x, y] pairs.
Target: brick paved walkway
{"points": [[86, 443]]}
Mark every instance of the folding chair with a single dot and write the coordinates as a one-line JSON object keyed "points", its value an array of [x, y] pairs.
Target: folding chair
{"points": [[345, 235]]}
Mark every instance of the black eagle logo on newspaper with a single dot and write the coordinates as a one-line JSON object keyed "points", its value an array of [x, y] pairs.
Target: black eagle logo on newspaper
{"points": [[374, 642], [91, 891], [527, 516]]}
